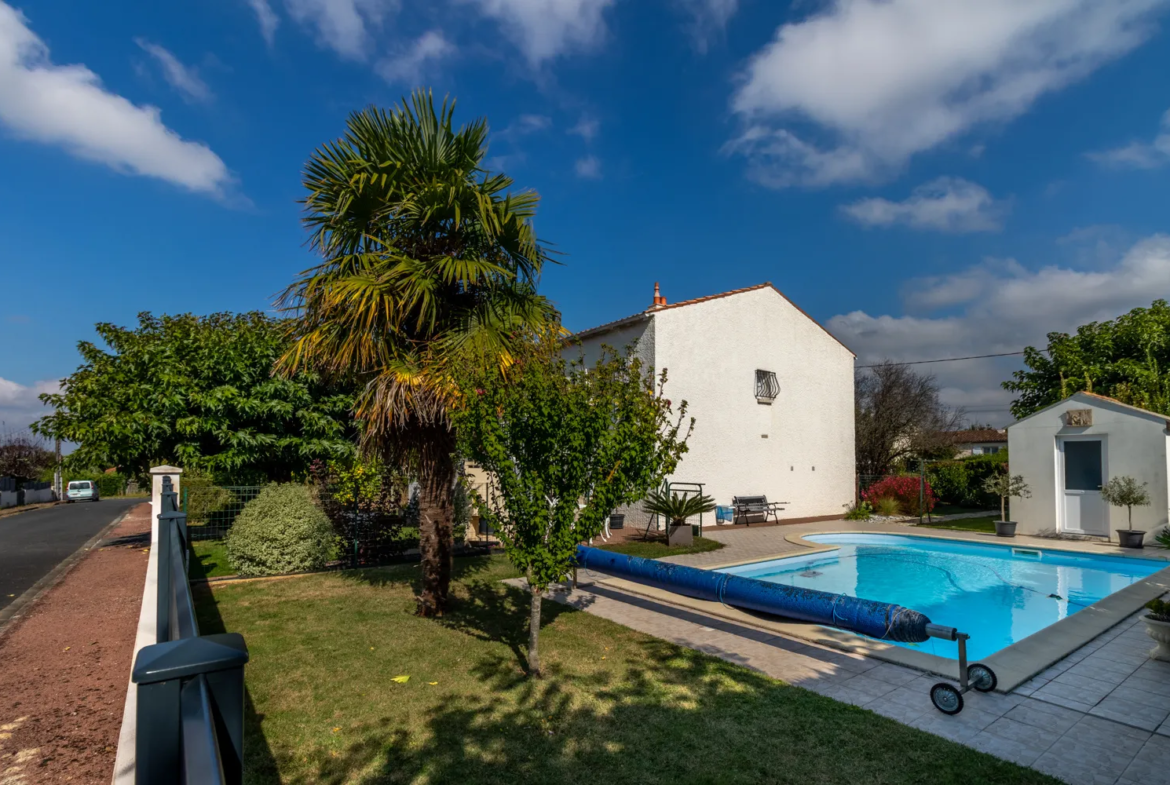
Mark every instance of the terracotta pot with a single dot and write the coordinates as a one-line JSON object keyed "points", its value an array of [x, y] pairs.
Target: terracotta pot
{"points": [[1130, 538], [1160, 632], [1005, 528]]}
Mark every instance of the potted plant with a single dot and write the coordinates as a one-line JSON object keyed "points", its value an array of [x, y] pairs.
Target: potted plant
{"points": [[1158, 628], [676, 509], [1006, 486], [1124, 491]]}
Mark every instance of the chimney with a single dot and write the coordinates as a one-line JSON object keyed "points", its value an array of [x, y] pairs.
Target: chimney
{"points": [[659, 300]]}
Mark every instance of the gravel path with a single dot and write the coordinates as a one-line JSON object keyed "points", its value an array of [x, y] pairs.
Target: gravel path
{"points": [[65, 665]]}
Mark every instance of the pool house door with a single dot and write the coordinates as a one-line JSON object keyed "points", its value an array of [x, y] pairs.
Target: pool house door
{"points": [[1080, 474]]}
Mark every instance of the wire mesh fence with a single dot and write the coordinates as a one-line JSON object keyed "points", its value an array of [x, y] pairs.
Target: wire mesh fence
{"points": [[212, 509]]}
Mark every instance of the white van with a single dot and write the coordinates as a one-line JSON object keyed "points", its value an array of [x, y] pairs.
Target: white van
{"points": [[82, 491]]}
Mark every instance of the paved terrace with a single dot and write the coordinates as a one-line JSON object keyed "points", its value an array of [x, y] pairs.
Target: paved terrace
{"points": [[1097, 717]]}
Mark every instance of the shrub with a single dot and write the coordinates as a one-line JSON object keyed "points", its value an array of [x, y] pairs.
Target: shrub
{"points": [[1159, 610], [1163, 537], [363, 501], [888, 507], [280, 531], [960, 482], [859, 512], [905, 490]]}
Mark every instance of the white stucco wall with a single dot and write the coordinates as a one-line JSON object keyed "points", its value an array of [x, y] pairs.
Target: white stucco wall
{"points": [[800, 448], [1135, 444]]}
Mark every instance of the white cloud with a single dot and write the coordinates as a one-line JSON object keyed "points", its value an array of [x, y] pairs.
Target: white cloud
{"points": [[1139, 155], [588, 168], [709, 18], [948, 204], [1000, 306], [343, 25], [546, 29], [19, 405], [67, 105], [183, 78], [882, 80], [527, 124], [267, 19], [586, 128], [410, 64]]}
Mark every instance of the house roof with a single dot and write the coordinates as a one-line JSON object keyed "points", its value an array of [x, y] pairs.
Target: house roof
{"points": [[1090, 397], [638, 317], [978, 435]]}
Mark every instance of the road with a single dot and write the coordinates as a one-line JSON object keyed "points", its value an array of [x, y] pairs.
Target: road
{"points": [[34, 542]]}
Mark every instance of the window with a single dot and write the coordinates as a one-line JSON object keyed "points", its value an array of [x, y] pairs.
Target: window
{"points": [[767, 388], [79, 486]]}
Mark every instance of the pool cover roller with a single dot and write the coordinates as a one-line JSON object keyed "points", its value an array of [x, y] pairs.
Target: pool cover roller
{"points": [[880, 620]]}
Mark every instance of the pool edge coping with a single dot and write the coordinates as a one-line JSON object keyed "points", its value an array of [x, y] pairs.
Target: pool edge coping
{"points": [[1013, 665]]}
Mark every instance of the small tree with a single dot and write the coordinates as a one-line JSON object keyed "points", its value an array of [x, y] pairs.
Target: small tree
{"points": [[676, 508], [1005, 485], [563, 446], [1124, 491]]}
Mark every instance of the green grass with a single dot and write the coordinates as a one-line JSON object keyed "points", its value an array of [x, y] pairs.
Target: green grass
{"points": [[209, 560], [656, 549], [616, 706], [942, 508], [985, 525]]}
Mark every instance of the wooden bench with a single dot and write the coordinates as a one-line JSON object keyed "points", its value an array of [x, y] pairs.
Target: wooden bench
{"points": [[745, 506]]}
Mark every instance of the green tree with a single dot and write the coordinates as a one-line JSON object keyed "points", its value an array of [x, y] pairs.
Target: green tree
{"points": [[563, 446], [1006, 486], [1124, 491], [429, 265], [1127, 358], [197, 392]]}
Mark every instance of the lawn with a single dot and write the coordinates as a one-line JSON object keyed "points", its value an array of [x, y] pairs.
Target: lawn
{"points": [[617, 706], [985, 525], [656, 549], [209, 560]]}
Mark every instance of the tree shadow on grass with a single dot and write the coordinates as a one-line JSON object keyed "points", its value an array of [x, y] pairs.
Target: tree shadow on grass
{"points": [[259, 762], [674, 716]]}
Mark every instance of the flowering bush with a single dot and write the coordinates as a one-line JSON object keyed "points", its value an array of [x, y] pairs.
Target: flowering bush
{"points": [[905, 490]]}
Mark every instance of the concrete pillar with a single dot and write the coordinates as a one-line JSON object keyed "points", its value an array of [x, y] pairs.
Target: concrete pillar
{"points": [[156, 481]]}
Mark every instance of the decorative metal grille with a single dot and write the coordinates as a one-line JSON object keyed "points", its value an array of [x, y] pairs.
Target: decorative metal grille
{"points": [[767, 388]]}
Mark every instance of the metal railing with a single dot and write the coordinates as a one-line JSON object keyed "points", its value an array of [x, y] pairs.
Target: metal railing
{"points": [[190, 702]]}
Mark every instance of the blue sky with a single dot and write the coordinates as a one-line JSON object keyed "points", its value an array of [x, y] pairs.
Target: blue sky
{"points": [[928, 178]]}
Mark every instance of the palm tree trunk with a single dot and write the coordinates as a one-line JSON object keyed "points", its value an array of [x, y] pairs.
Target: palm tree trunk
{"points": [[534, 635], [436, 540]]}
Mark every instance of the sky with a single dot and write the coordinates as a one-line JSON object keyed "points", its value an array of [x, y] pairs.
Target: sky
{"points": [[926, 178]]}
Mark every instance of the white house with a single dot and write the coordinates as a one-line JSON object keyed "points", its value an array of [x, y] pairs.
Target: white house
{"points": [[1067, 451], [770, 389]]}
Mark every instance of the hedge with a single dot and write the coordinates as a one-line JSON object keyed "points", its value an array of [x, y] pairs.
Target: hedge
{"points": [[280, 531], [960, 482]]}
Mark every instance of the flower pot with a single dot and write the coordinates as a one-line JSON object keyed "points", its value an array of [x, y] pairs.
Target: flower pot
{"points": [[1130, 538], [1160, 632], [680, 535], [1005, 528]]}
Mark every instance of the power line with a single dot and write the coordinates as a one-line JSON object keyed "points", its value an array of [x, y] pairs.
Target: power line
{"points": [[947, 359]]}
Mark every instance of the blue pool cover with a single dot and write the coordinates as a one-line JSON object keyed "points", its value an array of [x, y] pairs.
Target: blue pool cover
{"points": [[880, 620]]}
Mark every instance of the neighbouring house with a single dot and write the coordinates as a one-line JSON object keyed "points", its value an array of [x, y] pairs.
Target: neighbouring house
{"points": [[979, 441], [1067, 451], [770, 389]]}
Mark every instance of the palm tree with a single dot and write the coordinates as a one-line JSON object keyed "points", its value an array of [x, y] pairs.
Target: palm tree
{"points": [[428, 263], [675, 508]]}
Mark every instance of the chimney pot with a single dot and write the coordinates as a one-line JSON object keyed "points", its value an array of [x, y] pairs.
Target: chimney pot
{"points": [[659, 300]]}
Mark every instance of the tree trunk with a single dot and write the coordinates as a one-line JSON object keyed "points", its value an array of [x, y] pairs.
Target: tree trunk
{"points": [[534, 635], [436, 496], [1003, 508]]}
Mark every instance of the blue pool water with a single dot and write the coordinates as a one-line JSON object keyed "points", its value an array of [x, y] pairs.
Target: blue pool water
{"points": [[996, 593]]}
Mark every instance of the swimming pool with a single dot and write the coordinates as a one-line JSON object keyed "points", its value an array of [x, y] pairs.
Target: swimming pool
{"points": [[999, 594]]}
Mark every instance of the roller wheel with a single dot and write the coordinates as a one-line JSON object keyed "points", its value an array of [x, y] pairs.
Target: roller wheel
{"points": [[981, 678], [946, 698]]}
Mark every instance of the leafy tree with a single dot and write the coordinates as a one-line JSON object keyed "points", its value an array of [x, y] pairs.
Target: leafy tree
{"points": [[1124, 491], [1127, 358], [1006, 486], [429, 265], [899, 416], [197, 392], [563, 446]]}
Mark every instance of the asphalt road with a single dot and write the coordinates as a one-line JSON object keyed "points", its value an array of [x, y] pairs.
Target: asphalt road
{"points": [[33, 543]]}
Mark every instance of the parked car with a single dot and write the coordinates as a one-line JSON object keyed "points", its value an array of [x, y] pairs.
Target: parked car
{"points": [[82, 491]]}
